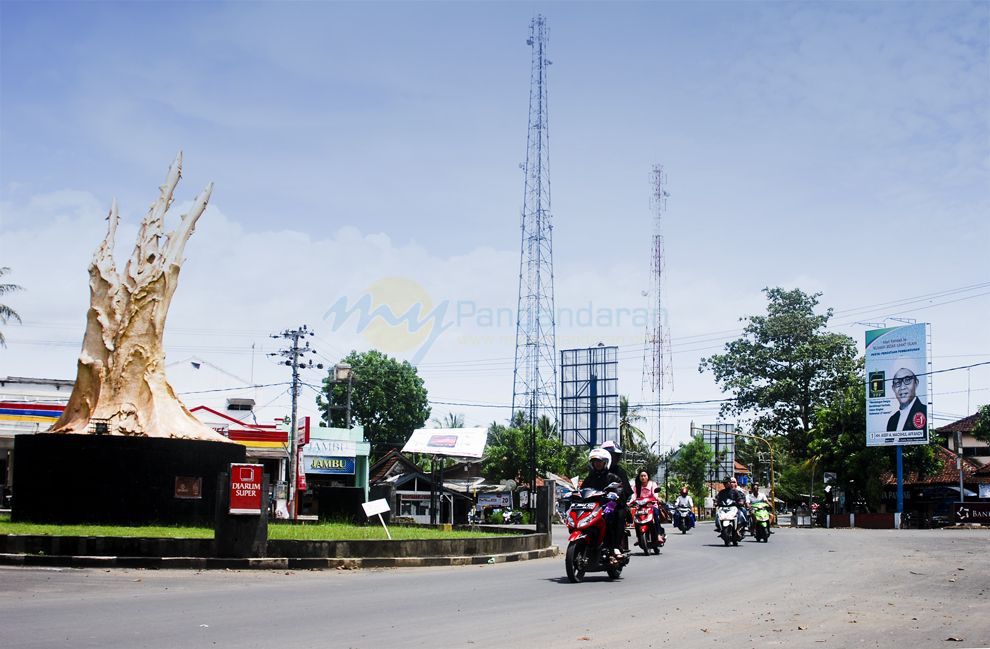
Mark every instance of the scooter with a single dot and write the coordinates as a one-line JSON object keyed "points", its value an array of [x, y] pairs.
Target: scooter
{"points": [[586, 548], [728, 528], [761, 521], [683, 518], [644, 513]]}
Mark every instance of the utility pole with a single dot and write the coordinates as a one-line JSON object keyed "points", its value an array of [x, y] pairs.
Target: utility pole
{"points": [[295, 358]]}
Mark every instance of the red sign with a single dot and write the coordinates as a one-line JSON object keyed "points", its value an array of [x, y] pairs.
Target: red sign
{"points": [[246, 495]]}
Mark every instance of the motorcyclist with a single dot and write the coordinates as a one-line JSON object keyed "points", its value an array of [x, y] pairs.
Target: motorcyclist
{"points": [[646, 489], [754, 496], [599, 478], [684, 500], [732, 495], [623, 512]]}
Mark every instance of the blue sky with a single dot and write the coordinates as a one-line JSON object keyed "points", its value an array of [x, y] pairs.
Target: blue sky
{"points": [[837, 147]]}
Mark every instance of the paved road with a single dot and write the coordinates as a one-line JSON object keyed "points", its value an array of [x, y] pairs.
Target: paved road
{"points": [[806, 588]]}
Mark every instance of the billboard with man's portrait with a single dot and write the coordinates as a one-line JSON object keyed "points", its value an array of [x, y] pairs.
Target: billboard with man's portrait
{"points": [[897, 386]]}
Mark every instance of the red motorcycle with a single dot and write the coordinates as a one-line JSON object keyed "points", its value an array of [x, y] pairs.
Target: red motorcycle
{"points": [[644, 513], [586, 547]]}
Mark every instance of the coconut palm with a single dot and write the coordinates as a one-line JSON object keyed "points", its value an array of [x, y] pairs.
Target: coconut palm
{"points": [[452, 420], [631, 437], [7, 313]]}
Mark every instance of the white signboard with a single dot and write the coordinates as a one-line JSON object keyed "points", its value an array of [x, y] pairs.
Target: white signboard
{"points": [[332, 447], [495, 500], [375, 507], [455, 442], [897, 386]]}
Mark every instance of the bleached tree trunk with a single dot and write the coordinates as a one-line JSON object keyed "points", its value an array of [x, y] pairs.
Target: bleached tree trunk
{"points": [[120, 376]]}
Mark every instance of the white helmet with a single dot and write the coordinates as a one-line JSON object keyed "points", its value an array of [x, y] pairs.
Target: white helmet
{"points": [[600, 454]]}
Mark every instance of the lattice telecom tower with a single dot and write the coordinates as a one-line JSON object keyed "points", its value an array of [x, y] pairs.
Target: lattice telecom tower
{"points": [[657, 371], [535, 376]]}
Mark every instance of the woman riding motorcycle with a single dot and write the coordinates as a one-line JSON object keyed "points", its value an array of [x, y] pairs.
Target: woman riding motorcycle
{"points": [[645, 489]]}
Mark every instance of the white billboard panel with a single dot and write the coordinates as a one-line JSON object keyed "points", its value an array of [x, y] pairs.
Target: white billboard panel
{"points": [[455, 442], [897, 386]]}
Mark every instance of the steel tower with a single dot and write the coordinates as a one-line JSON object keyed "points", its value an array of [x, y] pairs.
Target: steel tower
{"points": [[657, 371], [535, 376]]}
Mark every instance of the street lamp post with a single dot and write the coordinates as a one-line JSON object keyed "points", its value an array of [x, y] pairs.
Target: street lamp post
{"points": [[343, 372]]}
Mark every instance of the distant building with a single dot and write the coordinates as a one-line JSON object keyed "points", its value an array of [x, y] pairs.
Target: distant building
{"points": [[972, 448]]}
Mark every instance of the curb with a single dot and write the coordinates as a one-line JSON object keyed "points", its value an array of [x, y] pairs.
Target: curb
{"points": [[274, 563]]}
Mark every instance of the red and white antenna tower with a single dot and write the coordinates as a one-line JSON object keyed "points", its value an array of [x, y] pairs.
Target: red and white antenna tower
{"points": [[657, 371]]}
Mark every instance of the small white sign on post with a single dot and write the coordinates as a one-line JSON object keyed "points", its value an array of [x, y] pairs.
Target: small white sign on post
{"points": [[378, 507]]}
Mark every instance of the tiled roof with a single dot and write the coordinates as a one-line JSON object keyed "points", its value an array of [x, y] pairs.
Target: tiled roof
{"points": [[949, 475], [964, 425], [383, 467]]}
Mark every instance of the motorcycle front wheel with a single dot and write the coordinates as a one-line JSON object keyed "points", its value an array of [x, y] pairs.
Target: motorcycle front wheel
{"points": [[614, 573], [644, 543], [575, 562], [727, 535]]}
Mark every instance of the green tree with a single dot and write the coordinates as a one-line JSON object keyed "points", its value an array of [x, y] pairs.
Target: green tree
{"points": [[784, 367], [6, 312], [507, 453], [388, 399], [981, 430], [631, 437], [451, 420], [637, 452], [691, 464]]}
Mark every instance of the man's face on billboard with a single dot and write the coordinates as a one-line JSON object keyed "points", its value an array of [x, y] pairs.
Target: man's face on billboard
{"points": [[905, 384]]}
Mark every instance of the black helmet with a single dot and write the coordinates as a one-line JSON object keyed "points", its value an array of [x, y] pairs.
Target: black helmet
{"points": [[612, 447]]}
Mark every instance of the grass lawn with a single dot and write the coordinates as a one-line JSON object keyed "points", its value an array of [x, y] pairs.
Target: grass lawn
{"points": [[280, 531]]}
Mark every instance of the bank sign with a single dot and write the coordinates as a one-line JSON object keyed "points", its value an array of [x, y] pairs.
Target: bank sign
{"points": [[329, 464], [897, 386]]}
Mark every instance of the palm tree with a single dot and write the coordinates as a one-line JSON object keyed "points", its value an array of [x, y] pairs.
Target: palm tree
{"points": [[631, 437], [7, 313], [452, 420]]}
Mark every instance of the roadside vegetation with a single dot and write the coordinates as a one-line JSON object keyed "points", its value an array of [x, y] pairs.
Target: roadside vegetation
{"points": [[328, 531]]}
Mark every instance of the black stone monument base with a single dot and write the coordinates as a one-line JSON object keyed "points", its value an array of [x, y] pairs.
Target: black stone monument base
{"points": [[240, 535], [117, 480]]}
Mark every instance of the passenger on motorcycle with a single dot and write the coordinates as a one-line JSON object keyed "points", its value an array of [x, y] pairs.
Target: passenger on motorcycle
{"points": [[599, 478], [615, 452], [732, 495], [684, 500], [645, 489]]}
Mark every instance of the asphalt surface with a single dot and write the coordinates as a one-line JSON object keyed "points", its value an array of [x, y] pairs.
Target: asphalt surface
{"points": [[806, 588]]}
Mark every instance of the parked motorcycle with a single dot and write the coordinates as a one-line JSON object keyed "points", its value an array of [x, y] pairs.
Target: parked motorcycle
{"points": [[512, 516], [683, 519], [586, 548], [644, 520], [761, 521], [728, 527]]}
